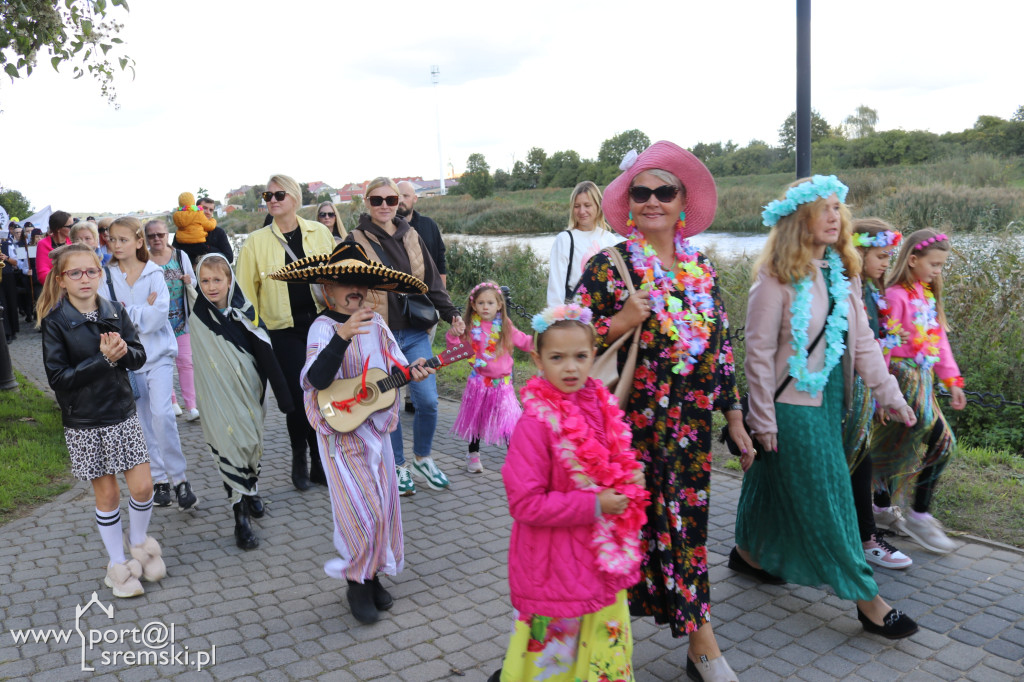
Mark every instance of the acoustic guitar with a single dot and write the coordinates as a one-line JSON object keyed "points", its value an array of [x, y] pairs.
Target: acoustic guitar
{"points": [[347, 403]]}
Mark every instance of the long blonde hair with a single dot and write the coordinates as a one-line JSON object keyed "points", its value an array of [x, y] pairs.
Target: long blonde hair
{"points": [[787, 253], [871, 227], [339, 229], [901, 275], [133, 224], [52, 292], [593, 192]]}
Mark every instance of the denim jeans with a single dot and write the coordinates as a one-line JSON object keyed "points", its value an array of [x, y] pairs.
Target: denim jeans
{"points": [[415, 344]]}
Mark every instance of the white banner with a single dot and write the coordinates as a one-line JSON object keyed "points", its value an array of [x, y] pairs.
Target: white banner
{"points": [[40, 219], [4, 219]]}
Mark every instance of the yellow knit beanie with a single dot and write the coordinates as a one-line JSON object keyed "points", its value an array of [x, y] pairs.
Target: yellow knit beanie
{"points": [[186, 199]]}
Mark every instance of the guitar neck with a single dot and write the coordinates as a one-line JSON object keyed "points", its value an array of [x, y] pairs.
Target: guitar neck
{"points": [[397, 379]]}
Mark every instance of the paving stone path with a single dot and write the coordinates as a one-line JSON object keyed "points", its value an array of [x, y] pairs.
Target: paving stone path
{"points": [[272, 614]]}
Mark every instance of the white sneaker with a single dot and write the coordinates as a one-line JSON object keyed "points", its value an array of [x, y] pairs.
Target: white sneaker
{"points": [[880, 553], [926, 531], [890, 519], [473, 464], [191, 415], [426, 468], [176, 409]]}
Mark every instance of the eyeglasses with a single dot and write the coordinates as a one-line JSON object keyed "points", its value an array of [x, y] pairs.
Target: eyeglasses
{"points": [[279, 195], [325, 214], [76, 274], [156, 235], [391, 200], [642, 195]]}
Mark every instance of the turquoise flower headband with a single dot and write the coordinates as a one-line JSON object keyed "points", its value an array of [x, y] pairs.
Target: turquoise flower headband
{"points": [[567, 311], [818, 187]]}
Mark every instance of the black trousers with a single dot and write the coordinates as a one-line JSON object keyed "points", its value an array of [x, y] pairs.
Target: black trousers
{"points": [[9, 299], [860, 479], [290, 349]]}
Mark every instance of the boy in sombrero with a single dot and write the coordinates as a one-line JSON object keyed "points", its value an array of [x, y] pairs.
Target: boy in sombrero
{"points": [[343, 342]]}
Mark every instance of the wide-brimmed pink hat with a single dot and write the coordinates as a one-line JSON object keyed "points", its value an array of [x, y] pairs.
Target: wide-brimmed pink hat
{"points": [[701, 193]]}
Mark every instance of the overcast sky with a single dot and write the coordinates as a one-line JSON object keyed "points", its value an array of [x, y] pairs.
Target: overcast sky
{"points": [[226, 94]]}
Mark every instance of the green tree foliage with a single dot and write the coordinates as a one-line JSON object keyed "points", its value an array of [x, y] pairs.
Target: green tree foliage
{"points": [[616, 147], [79, 32], [477, 180], [535, 159], [307, 196], [561, 169], [862, 123], [1018, 116], [520, 176], [15, 203], [820, 129], [502, 180]]}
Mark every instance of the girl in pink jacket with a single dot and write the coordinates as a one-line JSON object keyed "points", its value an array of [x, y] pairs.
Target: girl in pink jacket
{"points": [[577, 498], [911, 459], [489, 409]]}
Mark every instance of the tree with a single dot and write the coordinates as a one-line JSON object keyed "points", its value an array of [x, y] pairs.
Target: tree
{"points": [[307, 196], [15, 203], [560, 170], [616, 147], [520, 176], [820, 129], [502, 180], [79, 32], [477, 180], [535, 159], [1018, 116], [862, 123]]}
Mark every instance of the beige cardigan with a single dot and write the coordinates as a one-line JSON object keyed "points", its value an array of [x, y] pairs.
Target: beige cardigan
{"points": [[769, 337]]}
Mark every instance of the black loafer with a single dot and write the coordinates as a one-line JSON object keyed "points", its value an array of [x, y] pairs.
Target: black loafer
{"points": [[895, 625], [495, 676], [736, 563]]}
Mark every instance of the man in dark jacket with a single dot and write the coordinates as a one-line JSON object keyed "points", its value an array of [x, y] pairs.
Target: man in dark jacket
{"points": [[427, 228], [217, 238]]}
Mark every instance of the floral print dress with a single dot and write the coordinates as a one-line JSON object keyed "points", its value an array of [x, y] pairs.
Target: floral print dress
{"points": [[670, 416]]}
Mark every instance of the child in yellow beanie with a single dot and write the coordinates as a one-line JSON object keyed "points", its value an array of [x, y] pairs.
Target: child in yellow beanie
{"points": [[191, 222]]}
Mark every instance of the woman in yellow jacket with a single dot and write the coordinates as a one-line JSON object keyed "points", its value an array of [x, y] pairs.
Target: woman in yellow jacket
{"points": [[287, 311]]}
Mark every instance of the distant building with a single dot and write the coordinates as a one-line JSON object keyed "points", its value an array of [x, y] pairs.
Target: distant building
{"points": [[237, 193]]}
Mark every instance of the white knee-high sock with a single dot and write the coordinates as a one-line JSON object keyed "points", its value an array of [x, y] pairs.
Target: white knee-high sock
{"points": [[109, 523], [138, 518]]}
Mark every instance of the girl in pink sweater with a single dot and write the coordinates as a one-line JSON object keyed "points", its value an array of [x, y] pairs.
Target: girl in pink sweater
{"points": [[912, 458], [489, 409], [577, 498]]}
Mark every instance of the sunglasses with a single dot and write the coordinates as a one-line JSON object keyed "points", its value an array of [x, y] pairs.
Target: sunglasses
{"points": [[76, 274], [391, 200], [325, 214], [156, 235], [664, 194], [279, 195]]}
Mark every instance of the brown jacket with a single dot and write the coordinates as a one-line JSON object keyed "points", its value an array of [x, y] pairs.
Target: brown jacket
{"points": [[769, 337]]}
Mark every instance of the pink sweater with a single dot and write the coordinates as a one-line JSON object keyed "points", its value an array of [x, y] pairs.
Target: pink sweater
{"points": [[500, 366], [43, 262], [902, 310], [552, 567], [769, 337]]}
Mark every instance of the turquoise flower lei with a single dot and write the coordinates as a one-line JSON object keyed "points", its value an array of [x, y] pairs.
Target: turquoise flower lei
{"points": [[835, 326]]}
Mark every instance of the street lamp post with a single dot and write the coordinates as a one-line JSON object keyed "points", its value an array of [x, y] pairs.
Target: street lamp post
{"points": [[435, 78]]}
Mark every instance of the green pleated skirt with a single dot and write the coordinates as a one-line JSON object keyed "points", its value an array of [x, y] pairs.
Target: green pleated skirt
{"points": [[795, 515]]}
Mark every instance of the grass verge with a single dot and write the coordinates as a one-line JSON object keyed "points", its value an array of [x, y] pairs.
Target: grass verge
{"points": [[34, 465]]}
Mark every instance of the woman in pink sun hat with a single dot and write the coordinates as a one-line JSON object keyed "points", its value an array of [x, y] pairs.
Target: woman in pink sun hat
{"points": [[684, 371]]}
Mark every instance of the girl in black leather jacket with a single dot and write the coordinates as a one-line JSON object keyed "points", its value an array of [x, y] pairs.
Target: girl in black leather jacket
{"points": [[89, 347]]}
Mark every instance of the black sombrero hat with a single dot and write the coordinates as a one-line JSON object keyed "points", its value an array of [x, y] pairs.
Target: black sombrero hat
{"points": [[348, 264]]}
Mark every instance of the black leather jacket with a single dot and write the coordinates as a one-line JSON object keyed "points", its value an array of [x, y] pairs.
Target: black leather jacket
{"points": [[89, 391]]}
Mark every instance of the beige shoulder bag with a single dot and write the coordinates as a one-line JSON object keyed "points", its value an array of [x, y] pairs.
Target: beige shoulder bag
{"points": [[619, 382]]}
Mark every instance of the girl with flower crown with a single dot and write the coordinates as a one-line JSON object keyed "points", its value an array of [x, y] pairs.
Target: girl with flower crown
{"points": [[795, 519], [905, 458], [576, 495], [875, 240], [489, 409], [684, 371]]}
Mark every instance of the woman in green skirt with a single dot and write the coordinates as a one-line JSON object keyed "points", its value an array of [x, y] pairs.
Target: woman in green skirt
{"points": [[807, 335]]}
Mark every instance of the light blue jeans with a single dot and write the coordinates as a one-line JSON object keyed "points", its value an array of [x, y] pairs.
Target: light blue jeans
{"points": [[415, 344]]}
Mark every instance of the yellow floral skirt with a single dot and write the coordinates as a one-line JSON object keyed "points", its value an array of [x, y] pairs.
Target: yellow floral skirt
{"points": [[596, 647]]}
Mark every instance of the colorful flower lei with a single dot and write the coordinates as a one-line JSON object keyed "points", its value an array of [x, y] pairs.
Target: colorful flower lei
{"points": [[689, 328], [882, 239], [193, 207], [835, 326], [490, 350], [818, 187], [556, 313], [925, 340], [595, 461]]}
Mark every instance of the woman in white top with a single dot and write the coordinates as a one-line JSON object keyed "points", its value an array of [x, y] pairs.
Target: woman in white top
{"points": [[587, 234]]}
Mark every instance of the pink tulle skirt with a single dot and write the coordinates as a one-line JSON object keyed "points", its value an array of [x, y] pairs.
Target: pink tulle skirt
{"points": [[489, 410]]}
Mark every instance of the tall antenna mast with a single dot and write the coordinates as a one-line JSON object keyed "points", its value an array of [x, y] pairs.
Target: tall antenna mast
{"points": [[435, 78]]}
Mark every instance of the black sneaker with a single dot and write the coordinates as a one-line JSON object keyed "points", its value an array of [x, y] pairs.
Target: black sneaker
{"points": [[738, 564], [161, 494], [895, 625], [187, 500]]}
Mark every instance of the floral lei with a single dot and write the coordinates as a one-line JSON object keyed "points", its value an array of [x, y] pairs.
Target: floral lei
{"points": [[835, 326], [595, 462], [490, 351], [893, 327], [925, 339], [689, 328]]}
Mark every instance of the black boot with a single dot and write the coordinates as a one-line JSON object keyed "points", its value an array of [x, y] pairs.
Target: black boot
{"points": [[381, 597], [300, 475], [255, 505], [316, 469], [244, 537], [360, 601]]}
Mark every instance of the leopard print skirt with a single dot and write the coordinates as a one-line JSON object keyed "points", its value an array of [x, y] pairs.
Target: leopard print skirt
{"points": [[106, 449]]}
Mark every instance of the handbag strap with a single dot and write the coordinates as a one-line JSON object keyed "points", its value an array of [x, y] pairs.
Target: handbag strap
{"points": [[810, 348], [620, 265], [568, 268], [110, 284]]}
